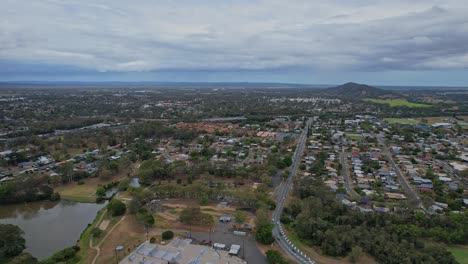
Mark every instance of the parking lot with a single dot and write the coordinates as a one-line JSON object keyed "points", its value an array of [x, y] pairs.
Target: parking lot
{"points": [[223, 234]]}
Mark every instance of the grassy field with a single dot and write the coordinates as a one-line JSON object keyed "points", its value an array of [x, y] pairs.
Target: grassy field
{"points": [[79, 199], [460, 253], [429, 120], [355, 137], [84, 240], [398, 102], [410, 121], [78, 193]]}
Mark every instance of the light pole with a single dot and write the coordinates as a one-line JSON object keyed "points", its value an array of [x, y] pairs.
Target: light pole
{"points": [[190, 228], [118, 249], [243, 248], [210, 233], [146, 231]]}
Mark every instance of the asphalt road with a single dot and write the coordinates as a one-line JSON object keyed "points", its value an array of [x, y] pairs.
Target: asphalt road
{"points": [[278, 232], [452, 172], [344, 171], [410, 191]]}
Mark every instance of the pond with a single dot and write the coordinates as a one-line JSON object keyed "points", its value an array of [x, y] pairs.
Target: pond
{"points": [[135, 182], [49, 226]]}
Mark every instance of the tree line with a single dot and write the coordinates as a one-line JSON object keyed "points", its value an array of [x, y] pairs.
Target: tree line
{"points": [[403, 237]]}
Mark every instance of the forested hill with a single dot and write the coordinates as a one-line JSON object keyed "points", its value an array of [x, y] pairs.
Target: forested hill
{"points": [[355, 90]]}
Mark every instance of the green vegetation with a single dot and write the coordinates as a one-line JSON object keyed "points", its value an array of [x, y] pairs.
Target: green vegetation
{"points": [[409, 121], [67, 255], [194, 216], [145, 217], [264, 234], [460, 253], [26, 189], [404, 237], [100, 191], [116, 207], [275, 257], [397, 103], [264, 227], [83, 243], [80, 199], [166, 235], [12, 242], [355, 137], [240, 217], [78, 192]]}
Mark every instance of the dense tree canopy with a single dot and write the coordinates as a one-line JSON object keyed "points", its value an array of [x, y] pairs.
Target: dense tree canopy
{"points": [[116, 207], [403, 237], [12, 242]]}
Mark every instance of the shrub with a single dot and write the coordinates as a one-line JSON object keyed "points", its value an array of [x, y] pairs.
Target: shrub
{"points": [[62, 256], [152, 240], [274, 257], [145, 216], [96, 232], [81, 182], [116, 207], [123, 184], [264, 235], [55, 196], [167, 235], [100, 191]]}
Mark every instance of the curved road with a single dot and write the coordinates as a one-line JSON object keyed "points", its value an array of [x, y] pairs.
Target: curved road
{"points": [[278, 232]]}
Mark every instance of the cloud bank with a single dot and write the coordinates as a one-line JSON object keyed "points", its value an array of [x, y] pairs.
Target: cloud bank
{"points": [[236, 35]]}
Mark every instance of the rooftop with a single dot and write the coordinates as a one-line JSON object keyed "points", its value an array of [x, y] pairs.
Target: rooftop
{"points": [[178, 251]]}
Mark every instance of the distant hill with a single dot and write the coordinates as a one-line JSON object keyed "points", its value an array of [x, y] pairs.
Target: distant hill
{"points": [[359, 91]]}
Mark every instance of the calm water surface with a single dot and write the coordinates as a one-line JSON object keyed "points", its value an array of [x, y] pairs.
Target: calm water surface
{"points": [[135, 182], [49, 226]]}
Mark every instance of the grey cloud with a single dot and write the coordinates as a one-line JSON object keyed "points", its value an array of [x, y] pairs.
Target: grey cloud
{"points": [[154, 35]]}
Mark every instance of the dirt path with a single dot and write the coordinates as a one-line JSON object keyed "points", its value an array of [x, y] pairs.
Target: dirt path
{"points": [[97, 224], [97, 248]]}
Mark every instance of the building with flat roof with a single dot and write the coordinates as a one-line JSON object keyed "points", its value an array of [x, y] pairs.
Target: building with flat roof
{"points": [[179, 251]]}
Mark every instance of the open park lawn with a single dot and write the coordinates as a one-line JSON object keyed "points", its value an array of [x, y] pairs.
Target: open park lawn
{"points": [[79, 193], [397, 102], [460, 253]]}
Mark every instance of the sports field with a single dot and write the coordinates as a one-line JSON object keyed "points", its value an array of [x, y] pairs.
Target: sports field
{"points": [[396, 103], [354, 137], [410, 121]]}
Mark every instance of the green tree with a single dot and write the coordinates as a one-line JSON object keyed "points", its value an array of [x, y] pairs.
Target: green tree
{"points": [[355, 254], [464, 174], [145, 217], [287, 161], [240, 217], [100, 191], [167, 235], [264, 234], [116, 207], [274, 257], [12, 242], [23, 258], [123, 184]]}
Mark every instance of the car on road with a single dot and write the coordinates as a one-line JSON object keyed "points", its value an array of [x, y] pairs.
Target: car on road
{"points": [[206, 242]]}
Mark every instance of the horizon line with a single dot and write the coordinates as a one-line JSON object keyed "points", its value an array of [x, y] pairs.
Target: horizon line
{"points": [[218, 82]]}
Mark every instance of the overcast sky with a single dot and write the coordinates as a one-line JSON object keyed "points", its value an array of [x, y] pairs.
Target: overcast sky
{"points": [[397, 42]]}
